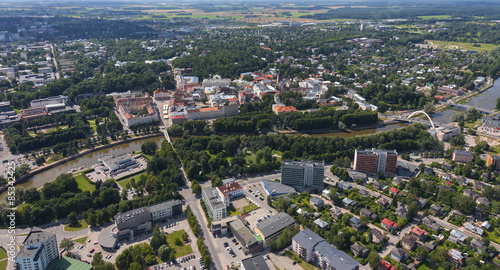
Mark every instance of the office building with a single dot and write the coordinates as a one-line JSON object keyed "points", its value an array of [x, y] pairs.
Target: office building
{"points": [[306, 173], [314, 249], [229, 191], [254, 263], [275, 189], [216, 206], [462, 156], [118, 164], [375, 161], [245, 236], [41, 103], [39, 249], [270, 228], [5, 106], [137, 221]]}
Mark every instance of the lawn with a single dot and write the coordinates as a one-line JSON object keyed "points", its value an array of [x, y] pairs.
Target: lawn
{"points": [[181, 250], [3, 255], [234, 212], [83, 183], [250, 157], [446, 45], [123, 182], [428, 265], [82, 224], [93, 125], [304, 265], [81, 240], [249, 208], [3, 265], [435, 17]]}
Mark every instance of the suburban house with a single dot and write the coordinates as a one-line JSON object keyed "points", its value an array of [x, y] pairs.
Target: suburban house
{"points": [[438, 210], [408, 242], [321, 223], [401, 211], [336, 212], [367, 213], [419, 233], [384, 265], [478, 245], [456, 237], [316, 202], [399, 254], [377, 236], [473, 228], [377, 185], [384, 202], [359, 250], [456, 257], [394, 191], [431, 224], [348, 203], [355, 223], [389, 225]]}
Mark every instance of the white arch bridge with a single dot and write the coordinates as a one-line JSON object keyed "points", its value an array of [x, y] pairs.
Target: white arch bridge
{"points": [[428, 117]]}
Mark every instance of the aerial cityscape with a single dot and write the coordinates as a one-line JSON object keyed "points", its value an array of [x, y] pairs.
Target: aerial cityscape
{"points": [[250, 135]]}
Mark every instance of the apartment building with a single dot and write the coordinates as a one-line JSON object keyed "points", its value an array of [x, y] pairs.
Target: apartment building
{"points": [[38, 250], [303, 173], [375, 161]]}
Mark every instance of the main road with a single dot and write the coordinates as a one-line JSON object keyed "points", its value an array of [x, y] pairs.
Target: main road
{"points": [[195, 206]]}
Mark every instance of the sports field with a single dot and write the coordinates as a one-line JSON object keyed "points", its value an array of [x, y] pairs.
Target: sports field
{"points": [[67, 263]]}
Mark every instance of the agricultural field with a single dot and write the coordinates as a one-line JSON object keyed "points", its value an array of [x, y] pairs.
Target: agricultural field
{"points": [[447, 45]]}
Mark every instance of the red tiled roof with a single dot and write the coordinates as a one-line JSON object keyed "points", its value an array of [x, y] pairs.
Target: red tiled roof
{"points": [[280, 108], [385, 265], [418, 231], [395, 190], [389, 222], [229, 187]]}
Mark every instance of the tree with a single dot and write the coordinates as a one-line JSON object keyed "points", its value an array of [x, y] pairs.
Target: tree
{"points": [[72, 219], [164, 252], [66, 244], [230, 145], [422, 253], [149, 148], [429, 108], [97, 259], [269, 201], [412, 210], [159, 239], [196, 188], [342, 126], [175, 130], [373, 259]]}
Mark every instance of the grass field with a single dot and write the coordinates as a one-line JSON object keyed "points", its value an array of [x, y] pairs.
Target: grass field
{"points": [[83, 184], [429, 265], [82, 224], [446, 45], [81, 240], [3, 255], [249, 208], [435, 17], [3, 265], [181, 250], [92, 125], [124, 182]]}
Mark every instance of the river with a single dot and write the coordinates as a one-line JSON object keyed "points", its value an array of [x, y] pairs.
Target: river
{"points": [[486, 100], [87, 161]]}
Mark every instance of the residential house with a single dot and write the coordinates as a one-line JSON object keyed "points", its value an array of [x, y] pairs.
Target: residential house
{"points": [[377, 236], [478, 245], [401, 211], [471, 193], [394, 191], [367, 213], [479, 213], [377, 185], [486, 225], [408, 242], [359, 250], [345, 185], [430, 246], [325, 193], [456, 257], [399, 254], [431, 224], [421, 202], [437, 210], [316, 202], [348, 203], [384, 202], [461, 180], [389, 225], [384, 265], [303, 212], [355, 223], [456, 237], [364, 193], [321, 223], [473, 228], [419, 233], [479, 186], [483, 201], [397, 181], [336, 212]]}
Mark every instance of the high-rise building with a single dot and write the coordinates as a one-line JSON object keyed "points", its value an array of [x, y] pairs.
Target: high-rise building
{"points": [[303, 173], [39, 249], [375, 161]]}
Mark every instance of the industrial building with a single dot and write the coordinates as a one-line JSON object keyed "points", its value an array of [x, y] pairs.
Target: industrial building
{"points": [[275, 189], [270, 228]]}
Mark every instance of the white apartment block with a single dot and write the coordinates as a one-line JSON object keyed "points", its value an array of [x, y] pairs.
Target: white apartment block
{"points": [[39, 249]]}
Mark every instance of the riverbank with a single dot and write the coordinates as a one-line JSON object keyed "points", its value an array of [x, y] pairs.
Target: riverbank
{"points": [[73, 157], [468, 97], [331, 130]]}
